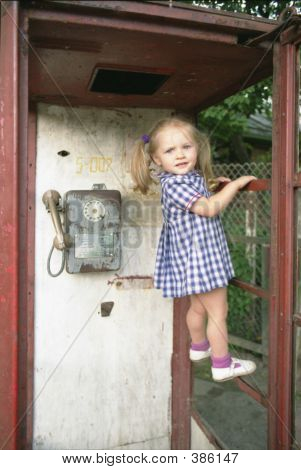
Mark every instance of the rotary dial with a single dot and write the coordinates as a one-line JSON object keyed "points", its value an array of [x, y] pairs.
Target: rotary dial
{"points": [[94, 210]]}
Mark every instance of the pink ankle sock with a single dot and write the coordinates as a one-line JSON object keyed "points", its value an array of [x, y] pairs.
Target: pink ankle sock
{"points": [[203, 346], [221, 362]]}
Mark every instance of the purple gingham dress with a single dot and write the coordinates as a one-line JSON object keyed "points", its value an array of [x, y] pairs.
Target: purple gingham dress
{"points": [[193, 255]]}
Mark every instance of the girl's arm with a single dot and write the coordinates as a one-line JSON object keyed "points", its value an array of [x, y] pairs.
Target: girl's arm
{"points": [[212, 206]]}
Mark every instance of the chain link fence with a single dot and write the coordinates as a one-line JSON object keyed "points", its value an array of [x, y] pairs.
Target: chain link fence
{"points": [[247, 225]]}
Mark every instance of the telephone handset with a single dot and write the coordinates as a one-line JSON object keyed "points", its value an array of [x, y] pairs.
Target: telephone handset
{"points": [[92, 220]]}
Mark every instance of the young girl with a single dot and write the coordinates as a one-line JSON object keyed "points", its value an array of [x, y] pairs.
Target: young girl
{"points": [[193, 257]]}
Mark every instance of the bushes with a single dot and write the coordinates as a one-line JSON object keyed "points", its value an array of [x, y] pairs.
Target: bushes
{"points": [[242, 320]]}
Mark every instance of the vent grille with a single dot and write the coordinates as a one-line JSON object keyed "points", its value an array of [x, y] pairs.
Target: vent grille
{"points": [[123, 82]]}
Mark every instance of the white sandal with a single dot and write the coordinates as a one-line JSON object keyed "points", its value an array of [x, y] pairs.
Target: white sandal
{"points": [[227, 373], [196, 356]]}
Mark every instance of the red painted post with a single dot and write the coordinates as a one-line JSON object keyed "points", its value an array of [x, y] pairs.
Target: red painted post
{"points": [[9, 251], [282, 246], [181, 378], [27, 156]]}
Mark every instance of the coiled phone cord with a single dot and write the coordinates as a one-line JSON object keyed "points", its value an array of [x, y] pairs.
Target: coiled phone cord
{"points": [[48, 263]]}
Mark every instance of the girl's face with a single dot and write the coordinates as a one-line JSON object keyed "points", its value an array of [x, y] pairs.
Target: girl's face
{"points": [[176, 152]]}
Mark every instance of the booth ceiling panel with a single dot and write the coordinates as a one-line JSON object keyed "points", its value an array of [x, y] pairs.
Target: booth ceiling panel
{"points": [[203, 68]]}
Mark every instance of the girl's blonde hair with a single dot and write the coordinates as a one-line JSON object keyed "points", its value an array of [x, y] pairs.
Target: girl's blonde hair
{"points": [[142, 158]]}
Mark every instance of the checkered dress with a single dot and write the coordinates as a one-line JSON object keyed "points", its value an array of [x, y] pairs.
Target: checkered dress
{"points": [[193, 255]]}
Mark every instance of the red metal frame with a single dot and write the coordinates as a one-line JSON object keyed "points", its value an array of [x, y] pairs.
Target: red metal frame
{"points": [[210, 436], [181, 378], [263, 184], [252, 288], [293, 34], [251, 391], [27, 152], [17, 155], [282, 267], [9, 183]]}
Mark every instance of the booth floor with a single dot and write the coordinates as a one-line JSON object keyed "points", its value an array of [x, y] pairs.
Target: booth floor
{"points": [[236, 419]]}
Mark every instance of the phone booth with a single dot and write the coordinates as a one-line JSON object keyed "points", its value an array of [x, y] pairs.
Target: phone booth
{"points": [[91, 355]]}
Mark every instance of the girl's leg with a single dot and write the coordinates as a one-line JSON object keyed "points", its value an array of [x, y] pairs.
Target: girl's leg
{"points": [[224, 367], [215, 303], [196, 320]]}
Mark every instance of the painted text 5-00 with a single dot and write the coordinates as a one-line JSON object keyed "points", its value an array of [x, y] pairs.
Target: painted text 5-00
{"points": [[93, 165]]}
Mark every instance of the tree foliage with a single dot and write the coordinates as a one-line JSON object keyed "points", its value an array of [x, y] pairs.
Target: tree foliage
{"points": [[252, 7], [226, 122]]}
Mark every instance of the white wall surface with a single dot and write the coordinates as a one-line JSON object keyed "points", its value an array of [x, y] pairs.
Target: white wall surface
{"points": [[198, 439], [100, 382]]}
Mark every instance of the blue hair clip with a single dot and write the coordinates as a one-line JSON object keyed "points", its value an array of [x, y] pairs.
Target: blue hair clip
{"points": [[145, 138]]}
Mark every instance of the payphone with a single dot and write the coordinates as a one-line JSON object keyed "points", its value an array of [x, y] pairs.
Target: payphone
{"points": [[90, 241]]}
